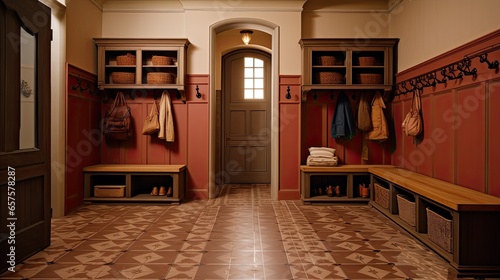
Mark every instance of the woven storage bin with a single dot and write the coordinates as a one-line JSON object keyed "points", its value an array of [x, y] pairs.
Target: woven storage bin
{"points": [[128, 59], [381, 196], [406, 209], [160, 78], [328, 77], [367, 61], [327, 60], [161, 60], [123, 78], [109, 191], [369, 78], [440, 230]]}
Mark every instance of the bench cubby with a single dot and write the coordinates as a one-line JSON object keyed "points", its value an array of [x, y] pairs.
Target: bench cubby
{"points": [[138, 179], [347, 177]]}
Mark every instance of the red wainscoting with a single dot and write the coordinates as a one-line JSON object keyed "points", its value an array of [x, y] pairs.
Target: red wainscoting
{"points": [[191, 135], [317, 114], [83, 136], [289, 138], [460, 139]]}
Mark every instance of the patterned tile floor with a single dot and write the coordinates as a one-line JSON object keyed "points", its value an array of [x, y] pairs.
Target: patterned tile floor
{"points": [[243, 234]]}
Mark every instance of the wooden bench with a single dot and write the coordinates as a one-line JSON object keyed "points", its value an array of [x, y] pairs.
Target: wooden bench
{"points": [[137, 180], [348, 177], [474, 216]]}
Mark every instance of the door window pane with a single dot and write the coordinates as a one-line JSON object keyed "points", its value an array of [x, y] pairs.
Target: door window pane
{"points": [[254, 78]]}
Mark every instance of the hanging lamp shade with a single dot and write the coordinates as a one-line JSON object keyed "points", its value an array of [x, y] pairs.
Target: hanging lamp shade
{"points": [[246, 36]]}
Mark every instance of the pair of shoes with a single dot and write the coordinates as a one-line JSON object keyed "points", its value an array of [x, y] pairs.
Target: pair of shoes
{"points": [[154, 191]]}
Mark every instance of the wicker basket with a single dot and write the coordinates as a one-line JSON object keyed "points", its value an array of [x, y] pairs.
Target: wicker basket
{"points": [[367, 61], [128, 59], [329, 77], [406, 209], [123, 78], [440, 230], [381, 195], [161, 60], [160, 78], [369, 78], [327, 60]]}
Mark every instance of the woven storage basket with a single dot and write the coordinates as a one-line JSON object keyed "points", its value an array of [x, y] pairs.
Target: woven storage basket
{"points": [[369, 78], [123, 78], [406, 209], [381, 195], [327, 60], [440, 230], [328, 77], [367, 61], [160, 78], [161, 60], [128, 59]]}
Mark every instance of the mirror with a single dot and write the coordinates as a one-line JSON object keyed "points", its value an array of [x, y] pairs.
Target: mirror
{"points": [[27, 132]]}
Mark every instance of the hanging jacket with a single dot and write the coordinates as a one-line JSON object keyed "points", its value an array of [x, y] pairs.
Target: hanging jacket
{"points": [[166, 120], [343, 124], [379, 130], [364, 119]]}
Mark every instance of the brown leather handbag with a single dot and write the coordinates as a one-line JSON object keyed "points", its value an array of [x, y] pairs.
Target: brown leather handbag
{"points": [[412, 124], [117, 120]]}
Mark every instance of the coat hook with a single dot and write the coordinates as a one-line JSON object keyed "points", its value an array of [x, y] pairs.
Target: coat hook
{"points": [[288, 95], [491, 65], [198, 94], [332, 96], [315, 96]]}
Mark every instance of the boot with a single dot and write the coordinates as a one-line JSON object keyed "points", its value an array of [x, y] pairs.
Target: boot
{"points": [[329, 191]]}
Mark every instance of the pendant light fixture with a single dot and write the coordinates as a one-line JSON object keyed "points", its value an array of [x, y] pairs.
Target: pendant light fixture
{"points": [[246, 36]]}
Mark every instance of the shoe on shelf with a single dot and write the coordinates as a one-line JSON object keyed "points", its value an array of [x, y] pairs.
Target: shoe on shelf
{"points": [[154, 191], [162, 191], [337, 191], [170, 192], [329, 191]]}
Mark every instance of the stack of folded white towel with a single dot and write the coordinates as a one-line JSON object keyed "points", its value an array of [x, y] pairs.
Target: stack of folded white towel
{"points": [[321, 156]]}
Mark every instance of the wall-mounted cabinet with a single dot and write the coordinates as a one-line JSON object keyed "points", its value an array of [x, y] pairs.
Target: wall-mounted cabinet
{"points": [[348, 64], [141, 64]]}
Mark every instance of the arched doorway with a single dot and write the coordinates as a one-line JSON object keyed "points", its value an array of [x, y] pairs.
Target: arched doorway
{"points": [[273, 30]]}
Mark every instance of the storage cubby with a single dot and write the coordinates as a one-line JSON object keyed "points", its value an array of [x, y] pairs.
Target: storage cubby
{"points": [[142, 184], [149, 64], [342, 64], [323, 181], [138, 181], [347, 177]]}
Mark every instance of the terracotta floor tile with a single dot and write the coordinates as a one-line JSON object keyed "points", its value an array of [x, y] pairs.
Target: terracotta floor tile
{"points": [[243, 234]]}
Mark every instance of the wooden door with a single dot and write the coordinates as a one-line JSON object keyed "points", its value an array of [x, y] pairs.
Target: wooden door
{"points": [[25, 37], [247, 117]]}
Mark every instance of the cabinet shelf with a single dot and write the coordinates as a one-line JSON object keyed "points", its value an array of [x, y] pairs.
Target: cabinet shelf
{"points": [[135, 58], [340, 64]]}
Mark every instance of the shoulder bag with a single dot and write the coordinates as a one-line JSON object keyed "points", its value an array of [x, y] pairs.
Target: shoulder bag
{"points": [[412, 124]]}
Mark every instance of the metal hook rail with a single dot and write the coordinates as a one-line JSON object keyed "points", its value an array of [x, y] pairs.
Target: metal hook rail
{"points": [[453, 71]]}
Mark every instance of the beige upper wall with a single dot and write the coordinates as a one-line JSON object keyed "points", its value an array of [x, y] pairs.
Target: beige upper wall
{"points": [[83, 23], [192, 20], [428, 28]]}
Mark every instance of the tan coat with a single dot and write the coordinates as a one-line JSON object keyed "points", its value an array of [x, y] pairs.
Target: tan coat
{"points": [[379, 130], [166, 119]]}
